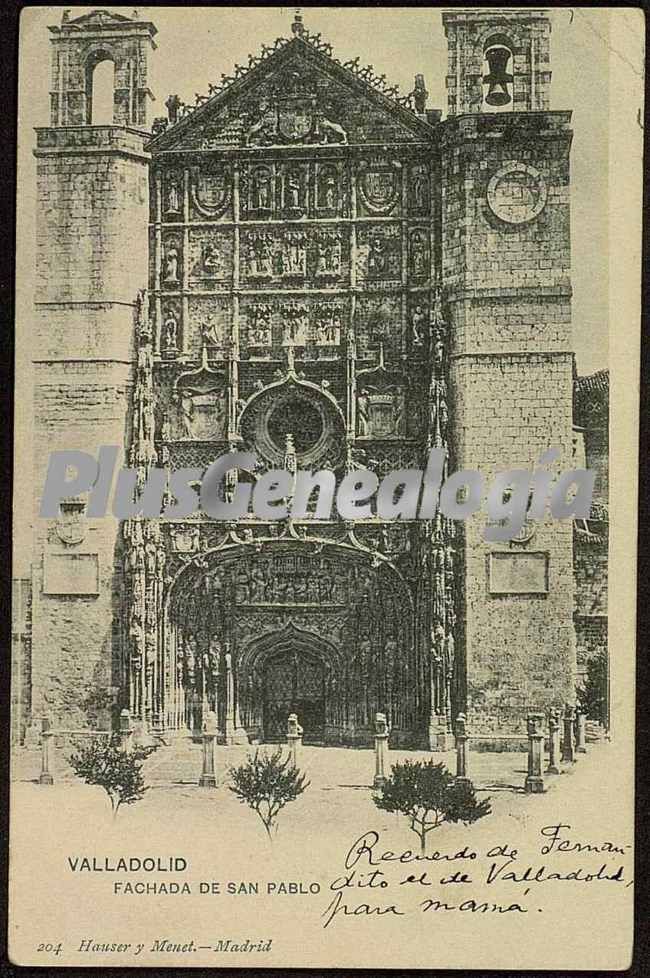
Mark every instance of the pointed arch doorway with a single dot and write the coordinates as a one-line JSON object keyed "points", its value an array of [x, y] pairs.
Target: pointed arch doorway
{"points": [[295, 671]]}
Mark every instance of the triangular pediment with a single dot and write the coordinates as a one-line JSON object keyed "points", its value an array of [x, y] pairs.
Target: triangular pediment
{"points": [[295, 95]]}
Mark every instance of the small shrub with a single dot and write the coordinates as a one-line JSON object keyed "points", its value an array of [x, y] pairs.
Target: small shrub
{"points": [[592, 697], [266, 783], [102, 762], [428, 794]]}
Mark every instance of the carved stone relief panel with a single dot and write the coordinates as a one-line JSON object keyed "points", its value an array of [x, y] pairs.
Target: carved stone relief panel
{"points": [[210, 324], [419, 189], [379, 254], [293, 257], [210, 259], [378, 320], [172, 195], [419, 255], [269, 324]]}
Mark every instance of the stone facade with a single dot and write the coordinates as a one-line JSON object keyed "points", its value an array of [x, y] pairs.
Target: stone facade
{"points": [[311, 266]]}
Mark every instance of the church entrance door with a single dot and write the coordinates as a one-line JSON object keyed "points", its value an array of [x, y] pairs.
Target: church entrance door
{"points": [[294, 682]]}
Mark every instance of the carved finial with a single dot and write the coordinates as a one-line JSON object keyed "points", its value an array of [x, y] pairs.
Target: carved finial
{"points": [[381, 355], [172, 105], [65, 16], [291, 359], [135, 15], [204, 356], [420, 94], [298, 27]]}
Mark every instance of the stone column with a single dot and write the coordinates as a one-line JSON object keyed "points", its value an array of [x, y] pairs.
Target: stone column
{"points": [[568, 743], [294, 737], [534, 783], [460, 731], [230, 702], [126, 731], [208, 736], [382, 734], [581, 733], [45, 776], [553, 742]]}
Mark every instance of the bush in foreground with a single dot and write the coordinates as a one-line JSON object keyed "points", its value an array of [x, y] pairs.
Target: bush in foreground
{"points": [[266, 783], [428, 795], [102, 762]]}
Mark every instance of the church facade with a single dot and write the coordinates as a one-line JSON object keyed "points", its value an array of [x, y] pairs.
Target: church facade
{"points": [[308, 265]]}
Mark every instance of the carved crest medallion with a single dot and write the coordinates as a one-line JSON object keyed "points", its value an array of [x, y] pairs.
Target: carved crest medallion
{"points": [[71, 526], [210, 190], [379, 187]]}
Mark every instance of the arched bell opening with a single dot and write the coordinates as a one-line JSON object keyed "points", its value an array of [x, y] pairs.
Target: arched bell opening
{"points": [[497, 74], [100, 89]]}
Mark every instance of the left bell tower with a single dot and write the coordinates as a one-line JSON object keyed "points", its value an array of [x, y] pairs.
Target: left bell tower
{"points": [[91, 262]]}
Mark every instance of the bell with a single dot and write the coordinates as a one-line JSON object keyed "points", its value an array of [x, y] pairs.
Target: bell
{"points": [[498, 79]]}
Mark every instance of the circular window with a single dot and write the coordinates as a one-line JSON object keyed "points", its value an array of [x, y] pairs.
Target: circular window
{"points": [[298, 417]]}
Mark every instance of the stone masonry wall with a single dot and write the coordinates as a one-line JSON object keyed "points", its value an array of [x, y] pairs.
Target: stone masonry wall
{"points": [[91, 261], [508, 299]]}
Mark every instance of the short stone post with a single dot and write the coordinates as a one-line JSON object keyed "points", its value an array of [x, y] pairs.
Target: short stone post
{"points": [[45, 776], [208, 737], [382, 734], [568, 743], [581, 733], [534, 783], [460, 731], [553, 742], [126, 731], [294, 737]]}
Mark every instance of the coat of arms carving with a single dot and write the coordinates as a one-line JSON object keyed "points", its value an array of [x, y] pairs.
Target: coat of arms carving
{"points": [[210, 190], [72, 525], [379, 186], [291, 114]]}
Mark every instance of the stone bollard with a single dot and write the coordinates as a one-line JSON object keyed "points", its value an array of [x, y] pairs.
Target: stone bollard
{"points": [[534, 783], [126, 731], [45, 776], [460, 730], [581, 733], [382, 733], [553, 742], [568, 743], [208, 737], [294, 737]]}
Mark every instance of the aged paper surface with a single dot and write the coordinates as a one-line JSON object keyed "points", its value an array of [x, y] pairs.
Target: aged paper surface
{"points": [[308, 262]]}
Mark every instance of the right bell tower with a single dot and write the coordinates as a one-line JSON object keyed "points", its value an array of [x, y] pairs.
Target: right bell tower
{"points": [[505, 259]]}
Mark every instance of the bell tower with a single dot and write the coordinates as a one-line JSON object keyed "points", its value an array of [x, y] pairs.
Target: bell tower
{"points": [[91, 262], [497, 60], [506, 281]]}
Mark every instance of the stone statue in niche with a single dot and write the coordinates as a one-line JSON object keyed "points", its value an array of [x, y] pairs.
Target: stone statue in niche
{"points": [[262, 189], [210, 260], [186, 412], [210, 333], [260, 327], [329, 255], [294, 254], [296, 326], [377, 257], [171, 334], [328, 189], [328, 330], [173, 199], [419, 254], [420, 188], [418, 325], [260, 256], [293, 189], [171, 264], [363, 414]]}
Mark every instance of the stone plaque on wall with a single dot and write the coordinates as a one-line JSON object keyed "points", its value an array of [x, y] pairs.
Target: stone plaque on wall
{"points": [[518, 573], [72, 574]]}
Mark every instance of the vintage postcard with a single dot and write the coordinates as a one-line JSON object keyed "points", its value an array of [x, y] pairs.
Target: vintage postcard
{"points": [[317, 520]]}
